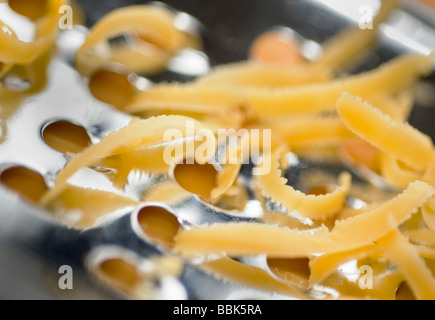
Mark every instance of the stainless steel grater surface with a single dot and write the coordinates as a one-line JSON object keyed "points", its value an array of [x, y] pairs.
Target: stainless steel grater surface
{"points": [[33, 246]]}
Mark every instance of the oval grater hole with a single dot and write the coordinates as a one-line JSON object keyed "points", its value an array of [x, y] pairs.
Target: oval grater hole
{"points": [[26, 182], [112, 87], [120, 272], [32, 9], [66, 137], [158, 224], [153, 277], [199, 179]]}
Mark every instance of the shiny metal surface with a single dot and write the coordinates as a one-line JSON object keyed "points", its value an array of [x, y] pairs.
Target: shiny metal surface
{"points": [[33, 245]]}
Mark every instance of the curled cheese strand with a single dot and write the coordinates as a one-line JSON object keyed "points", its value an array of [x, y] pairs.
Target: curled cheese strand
{"points": [[254, 238], [235, 155], [139, 133], [422, 236], [216, 117], [237, 239], [150, 159], [240, 273], [391, 77], [154, 22], [324, 265], [268, 75], [225, 180], [397, 107], [305, 131], [321, 207], [395, 138], [417, 274], [425, 252], [428, 210], [428, 213], [429, 174], [6, 66], [394, 173], [199, 110], [378, 221], [15, 51], [83, 207]]}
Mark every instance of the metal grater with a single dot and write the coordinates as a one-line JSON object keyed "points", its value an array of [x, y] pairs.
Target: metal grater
{"points": [[33, 246]]}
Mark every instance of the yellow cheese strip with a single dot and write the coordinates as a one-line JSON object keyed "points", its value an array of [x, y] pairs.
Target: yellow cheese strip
{"points": [[274, 186], [395, 138], [238, 239], [377, 221], [154, 22], [422, 236], [150, 160], [370, 281], [140, 133], [397, 106], [352, 41], [15, 51], [5, 67], [324, 265], [148, 60], [264, 75], [218, 118], [83, 207], [225, 180], [235, 155], [417, 274], [425, 252], [394, 173], [168, 192], [428, 210], [255, 238], [428, 213], [199, 110], [391, 77], [384, 283], [306, 131], [253, 277], [283, 220]]}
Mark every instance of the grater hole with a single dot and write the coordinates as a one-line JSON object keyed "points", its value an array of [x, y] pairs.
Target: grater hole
{"points": [[319, 190], [32, 9], [159, 225], [111, 87], [120, 272], [29, 184], [66, 137], [196, 178]]}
